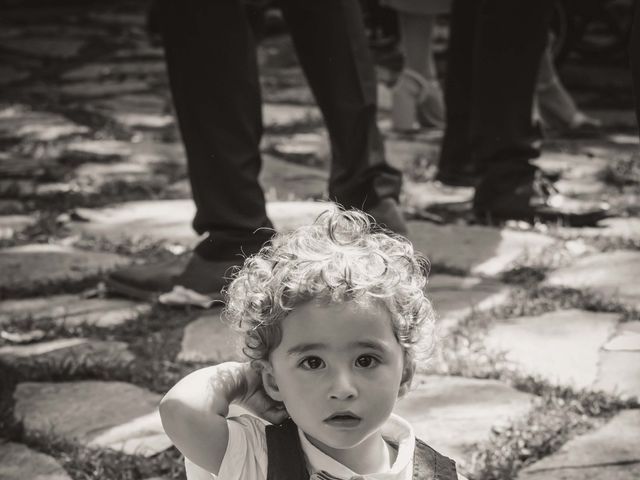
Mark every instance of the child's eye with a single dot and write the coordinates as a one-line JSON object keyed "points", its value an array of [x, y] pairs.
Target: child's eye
{"points": [[312, 363], [366, 361]]}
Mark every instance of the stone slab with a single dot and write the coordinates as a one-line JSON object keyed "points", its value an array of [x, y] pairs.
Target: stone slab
{"points": [[140, 110], [40, 265], [619, 368], [144, 153], [453, 414], [103, 414], [18, 122], [411, 155], [47, 47], [19, 462], [475, 249], [611, 452], [69, 354], [73, 310], [281, 116], [305, 148], [171, 219], [210, 339], [97, 88], [284, 181], [627, 338], [612, 274], [563, 346], [93, 71], [10, 225], [453, 298]]}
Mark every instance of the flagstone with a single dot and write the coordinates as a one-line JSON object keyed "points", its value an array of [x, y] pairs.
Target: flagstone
{"points": [[93, 71], [116, 415], [103, 88], [18, 122], [171, 219], [281, 115], [104, 151], [453, 298], [611, 452], [619, 367], [306, 148], [573, 165], [613, 275], [563, 346], [10, 225], [19, 462], [453, 414], [73, 311], [296, 94], [30, 267], [210, 339], [627, 338], [475, 249], [615, 227], [284, 180], [48, 47], [141, 110], [66, 354]]}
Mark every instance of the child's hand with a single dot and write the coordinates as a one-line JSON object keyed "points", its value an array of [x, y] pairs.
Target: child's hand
{"points": [[253, 397]]}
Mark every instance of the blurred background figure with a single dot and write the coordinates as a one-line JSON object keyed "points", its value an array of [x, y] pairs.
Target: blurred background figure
{"points": [[417, 95]]}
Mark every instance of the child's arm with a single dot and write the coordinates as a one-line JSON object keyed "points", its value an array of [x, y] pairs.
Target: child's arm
{"points": [[194, 411]]}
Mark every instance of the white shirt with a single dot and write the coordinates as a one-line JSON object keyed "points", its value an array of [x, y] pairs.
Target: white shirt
{"points": [[246, 454]]}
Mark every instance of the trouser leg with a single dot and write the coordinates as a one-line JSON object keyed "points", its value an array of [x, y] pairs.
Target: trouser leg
{"points": [[330, 40], [509, 42], [211, 61], [455, 165], [634, 56]]}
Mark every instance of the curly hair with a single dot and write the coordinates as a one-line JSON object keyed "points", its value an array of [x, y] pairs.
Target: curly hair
{"points": [[343, 256]]}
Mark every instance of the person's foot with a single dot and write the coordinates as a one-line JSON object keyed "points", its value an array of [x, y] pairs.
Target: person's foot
{"points": [[147, 282], [417, 102], [537, 201], [388, 215]]}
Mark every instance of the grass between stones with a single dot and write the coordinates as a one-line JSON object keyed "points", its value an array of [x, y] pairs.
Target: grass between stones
{"points": [[558, 414]]}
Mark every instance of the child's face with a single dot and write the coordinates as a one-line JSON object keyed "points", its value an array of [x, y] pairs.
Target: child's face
{"points": [[338, 370]]}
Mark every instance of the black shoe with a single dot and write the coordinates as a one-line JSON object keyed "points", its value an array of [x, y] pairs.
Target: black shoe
{"points": [[537, 201], [388, 215], [147, 282]]}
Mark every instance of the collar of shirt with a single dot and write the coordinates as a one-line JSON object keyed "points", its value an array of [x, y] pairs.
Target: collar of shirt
{"points": [[396, 431]]}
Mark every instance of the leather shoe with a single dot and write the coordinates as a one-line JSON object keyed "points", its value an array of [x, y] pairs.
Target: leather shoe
{"points": [[537, 201], [147, 282]]}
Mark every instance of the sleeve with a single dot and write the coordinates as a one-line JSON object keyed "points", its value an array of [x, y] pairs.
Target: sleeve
{"points": [[246, 454]]}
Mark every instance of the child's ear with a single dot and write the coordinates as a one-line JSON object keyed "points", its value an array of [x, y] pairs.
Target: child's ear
{"points": [[269, 380], [407, 375]]}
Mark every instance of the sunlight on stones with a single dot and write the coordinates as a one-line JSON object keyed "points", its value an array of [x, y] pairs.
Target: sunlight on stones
{"points": [[563, 347], [19, 462], [210, 339], [73, 310], [479, 250], [454, 414], [102, 414], [453, 298], [613, 275]]}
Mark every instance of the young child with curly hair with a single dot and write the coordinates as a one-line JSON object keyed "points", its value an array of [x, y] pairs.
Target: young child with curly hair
{"points": [[334, 318]]}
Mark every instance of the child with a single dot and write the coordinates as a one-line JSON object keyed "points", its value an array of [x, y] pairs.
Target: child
{"points": [[333, 317]]}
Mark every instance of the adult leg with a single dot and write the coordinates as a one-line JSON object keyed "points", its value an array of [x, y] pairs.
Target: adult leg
{"points": [[634, 56], [330, 40], [212, 66], [211, 61], [455, 166], [510, 40]]}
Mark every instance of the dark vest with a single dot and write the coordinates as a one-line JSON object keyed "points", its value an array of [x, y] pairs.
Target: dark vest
{"points": [[286, 459]]}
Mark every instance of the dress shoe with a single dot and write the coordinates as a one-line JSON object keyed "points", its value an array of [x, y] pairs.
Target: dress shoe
{"points": [[537, 201], [147, 282]]}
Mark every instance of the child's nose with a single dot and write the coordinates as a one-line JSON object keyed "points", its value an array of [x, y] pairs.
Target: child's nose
{"points": [[343, 387]]}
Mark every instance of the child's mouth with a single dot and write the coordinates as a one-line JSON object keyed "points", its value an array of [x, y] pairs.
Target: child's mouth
{"points": [[343, 420]]}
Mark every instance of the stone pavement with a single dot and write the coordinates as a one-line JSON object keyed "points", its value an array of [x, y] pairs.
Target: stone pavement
{"points": [[538, 370]]}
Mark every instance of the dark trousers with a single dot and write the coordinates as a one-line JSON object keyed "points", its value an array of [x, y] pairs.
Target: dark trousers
{"points": [[634, 56], [211, 58], [493, 57]]}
